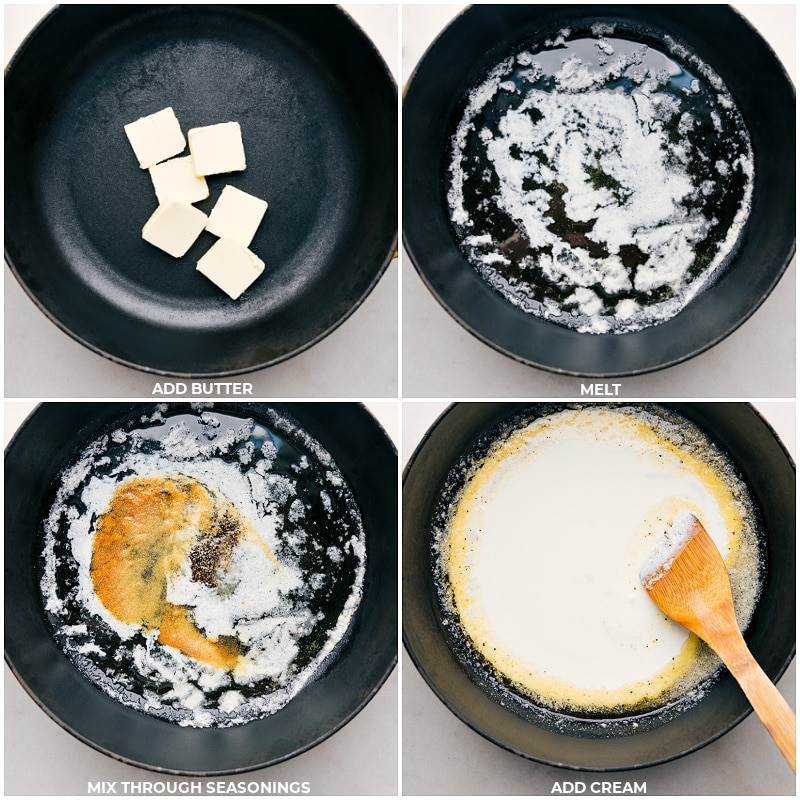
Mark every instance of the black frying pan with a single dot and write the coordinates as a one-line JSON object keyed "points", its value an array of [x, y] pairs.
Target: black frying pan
{"points": [[53, 435], [768, 471], [318, 112], [477, 40]]}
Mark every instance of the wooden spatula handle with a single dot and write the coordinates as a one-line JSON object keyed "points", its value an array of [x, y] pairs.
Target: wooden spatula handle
{"points": [[767, 702], [693, 588]]}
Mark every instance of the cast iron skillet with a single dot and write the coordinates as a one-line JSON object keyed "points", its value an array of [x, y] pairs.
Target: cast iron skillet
{"points": [[477, 40], [318, 112], [769, 472], [52, 435]]}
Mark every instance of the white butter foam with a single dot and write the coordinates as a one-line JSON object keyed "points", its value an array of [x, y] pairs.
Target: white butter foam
{"points": [[287, 620]]}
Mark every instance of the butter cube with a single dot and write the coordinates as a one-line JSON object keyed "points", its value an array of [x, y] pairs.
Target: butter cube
{"points": [[175, 180], [231, 266], [174, 227], [156, 137], [236, 215], [217, 148]]}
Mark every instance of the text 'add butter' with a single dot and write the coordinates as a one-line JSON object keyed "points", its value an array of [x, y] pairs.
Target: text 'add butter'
{"points": [[174, 227], [156, 137], [231, 266], [175, 180], [217, 148], [236, 215]]}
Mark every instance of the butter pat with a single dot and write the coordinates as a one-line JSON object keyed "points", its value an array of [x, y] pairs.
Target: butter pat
{"points": [[156, 137], [174, 227], [175, 180], [231, 266], [217, 148], [236, 215]]}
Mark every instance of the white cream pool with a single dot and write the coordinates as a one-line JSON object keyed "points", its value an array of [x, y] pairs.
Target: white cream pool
{"points": [[544, 546]]}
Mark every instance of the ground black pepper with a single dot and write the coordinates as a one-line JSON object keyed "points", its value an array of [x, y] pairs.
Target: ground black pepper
{"points": [[214, 549]]}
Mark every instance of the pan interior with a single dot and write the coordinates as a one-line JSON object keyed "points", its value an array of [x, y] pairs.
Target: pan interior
{"points": [[227, 626], [507, 679], [599, 179]]}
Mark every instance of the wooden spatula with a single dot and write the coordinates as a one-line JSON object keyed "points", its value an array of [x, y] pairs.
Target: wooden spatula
{"points": [[688, 581]]}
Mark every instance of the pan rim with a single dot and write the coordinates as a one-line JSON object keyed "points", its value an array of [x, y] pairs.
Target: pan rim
{"points": [[381, 637], [470, 311], [384, 245], [428, 659], [587, 373]]}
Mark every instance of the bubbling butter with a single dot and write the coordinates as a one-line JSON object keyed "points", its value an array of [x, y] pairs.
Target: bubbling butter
{"points": [[201, 567], [540, 556]]}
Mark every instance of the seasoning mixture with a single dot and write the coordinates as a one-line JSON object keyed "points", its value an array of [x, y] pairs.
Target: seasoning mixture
{"points": [[598, 182], [201, 567], [540, 547]]}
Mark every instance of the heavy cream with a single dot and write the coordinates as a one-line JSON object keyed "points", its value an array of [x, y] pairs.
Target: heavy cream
{"points": [[543, 547]]}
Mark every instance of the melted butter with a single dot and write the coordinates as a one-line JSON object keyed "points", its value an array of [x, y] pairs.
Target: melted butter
{"points": [[152, 528], [543, 552], [599, 182]]}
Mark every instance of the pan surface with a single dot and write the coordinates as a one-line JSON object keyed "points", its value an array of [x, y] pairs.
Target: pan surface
{"points": [[51, 437], [479, 39], [318, 113], [561, 740]]}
